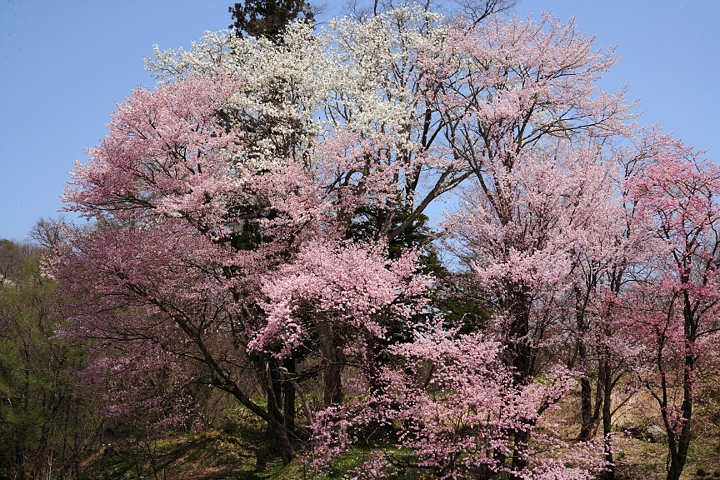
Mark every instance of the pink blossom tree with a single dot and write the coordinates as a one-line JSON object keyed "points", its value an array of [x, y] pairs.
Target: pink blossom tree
{"points": [[607, 273], [675, 312], [343, 294], [195, 235], [450, 401], [541, 266], [532, 127], [245, 212]]}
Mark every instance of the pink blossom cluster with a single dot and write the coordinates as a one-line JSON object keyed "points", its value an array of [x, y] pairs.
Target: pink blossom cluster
{"points": [[259, 222]]}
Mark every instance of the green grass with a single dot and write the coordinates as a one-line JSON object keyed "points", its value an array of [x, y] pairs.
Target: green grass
{"points": [[206, 456], [214, 455], [238, 449], [234, 455]]}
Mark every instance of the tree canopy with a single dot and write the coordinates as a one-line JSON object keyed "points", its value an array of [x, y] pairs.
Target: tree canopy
{"points": [[261, 226], [268, 18]]}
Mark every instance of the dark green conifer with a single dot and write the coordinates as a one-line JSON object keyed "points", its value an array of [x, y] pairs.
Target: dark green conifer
{"points": [[268, 18]]}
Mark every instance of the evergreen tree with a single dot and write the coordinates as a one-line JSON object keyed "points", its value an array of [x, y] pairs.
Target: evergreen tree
{"points": [[268, 18]]}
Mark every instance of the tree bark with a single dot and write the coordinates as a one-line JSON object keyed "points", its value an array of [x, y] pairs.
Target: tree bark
{"points": [[606, 376], [679, 444], [333, 363], [589, 413], [289, 397], [519, 462], [277, 428]]}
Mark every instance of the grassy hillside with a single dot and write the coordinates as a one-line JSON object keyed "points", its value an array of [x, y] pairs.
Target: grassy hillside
{"points": [[239, 451]]}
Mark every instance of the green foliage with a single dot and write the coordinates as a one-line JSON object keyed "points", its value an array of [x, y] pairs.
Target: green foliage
{"points": [[42, 424], [268, 18], [372, 223], [461, 302], [454, 295]]}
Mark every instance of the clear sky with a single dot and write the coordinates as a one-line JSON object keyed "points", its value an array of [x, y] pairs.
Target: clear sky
{"points": [[64, 65]]}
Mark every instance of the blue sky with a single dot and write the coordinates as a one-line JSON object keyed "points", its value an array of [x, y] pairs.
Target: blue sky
{"points": [[64, 65]]}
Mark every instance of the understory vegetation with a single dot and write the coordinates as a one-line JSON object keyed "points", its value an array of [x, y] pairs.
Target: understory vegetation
{"points": [[230, 449], [260, 292]]}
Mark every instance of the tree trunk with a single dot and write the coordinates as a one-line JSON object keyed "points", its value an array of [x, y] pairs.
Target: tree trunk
{"points": [[277, 428], [333, 364], [585, 407], [289, 397], [519, 462], [680, 444], [522, 351], [523, 359], [678, 455], [606, 376], [278, 434], [589, 414]]}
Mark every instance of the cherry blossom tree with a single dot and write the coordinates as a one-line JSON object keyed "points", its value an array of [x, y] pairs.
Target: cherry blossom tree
{"points": [[439, 91], [194, 234], [451, 401], [607, 273], [366, 79], [531, 126], [675, 312], [260, 219], [181, 234], [540, 267]]}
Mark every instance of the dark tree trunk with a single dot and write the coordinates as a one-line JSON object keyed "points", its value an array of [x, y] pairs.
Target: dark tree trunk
{"points": [[606, 376], [289, 397], [589, 413], [519, 462], [679, 444], [523, 356], [277, 429], [333, 364], [522, 351], [585, 408], [278, 434]]}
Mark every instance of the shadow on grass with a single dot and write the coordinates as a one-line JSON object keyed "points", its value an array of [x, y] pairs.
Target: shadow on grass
{"points": [[214, 455]]}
